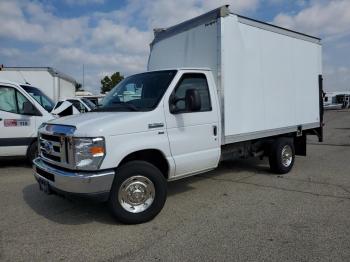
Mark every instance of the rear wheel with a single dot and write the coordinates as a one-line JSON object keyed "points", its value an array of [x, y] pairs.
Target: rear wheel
{"points": [[138, 193], [282, 155], [32, 152]]}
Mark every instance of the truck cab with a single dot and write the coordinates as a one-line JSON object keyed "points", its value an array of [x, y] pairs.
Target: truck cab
{"points": [[23, 108], [170, 130]]}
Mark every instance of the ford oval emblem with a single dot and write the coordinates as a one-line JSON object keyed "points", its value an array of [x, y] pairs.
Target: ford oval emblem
{"points": [[48, 147]]}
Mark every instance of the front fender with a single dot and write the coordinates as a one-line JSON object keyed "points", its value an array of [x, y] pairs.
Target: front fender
{"points": [[119, 146]]}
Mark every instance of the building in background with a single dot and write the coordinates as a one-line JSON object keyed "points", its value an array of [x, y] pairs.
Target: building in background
{"points": [[336, 100], [52, 82]]}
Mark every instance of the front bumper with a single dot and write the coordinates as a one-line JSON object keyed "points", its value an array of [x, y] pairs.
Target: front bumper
{"points": [[74, 182]]}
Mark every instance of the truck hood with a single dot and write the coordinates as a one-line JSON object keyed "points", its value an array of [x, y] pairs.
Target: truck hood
{"points": [[110, 123]]}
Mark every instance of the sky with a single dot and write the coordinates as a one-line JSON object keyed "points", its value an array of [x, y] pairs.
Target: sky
{"points": [[114, 35]]}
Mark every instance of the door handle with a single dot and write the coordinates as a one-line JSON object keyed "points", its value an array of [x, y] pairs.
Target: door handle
{"points": [[215, 130], [0, 119], [155, 125]]}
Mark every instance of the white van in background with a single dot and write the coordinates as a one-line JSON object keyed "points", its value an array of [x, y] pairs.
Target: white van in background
{"points": [[23, 108]]}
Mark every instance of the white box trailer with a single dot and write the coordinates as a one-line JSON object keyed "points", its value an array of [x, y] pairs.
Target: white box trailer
{"points": [[268, 78], [53, 83]]}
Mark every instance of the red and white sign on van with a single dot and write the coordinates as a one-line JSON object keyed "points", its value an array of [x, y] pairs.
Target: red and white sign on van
{"points": [[10, 122], [15, 122]]}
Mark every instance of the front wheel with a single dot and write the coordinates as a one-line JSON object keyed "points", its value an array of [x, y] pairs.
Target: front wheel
{"points": [[32, 152], [138, 192], [282, 155]]}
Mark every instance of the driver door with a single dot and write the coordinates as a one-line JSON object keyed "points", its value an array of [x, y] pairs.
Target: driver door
{"points": [[193, 136]]}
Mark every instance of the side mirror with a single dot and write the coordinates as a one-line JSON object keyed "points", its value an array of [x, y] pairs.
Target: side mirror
{"points": [[193, 100], [29, 109]]}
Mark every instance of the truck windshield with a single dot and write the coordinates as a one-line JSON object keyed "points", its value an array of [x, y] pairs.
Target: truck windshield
{"points": [[141, 92], [40, 97]]}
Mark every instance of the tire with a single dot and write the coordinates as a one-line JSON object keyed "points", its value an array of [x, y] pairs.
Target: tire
{"points": [[32, 152], [138, 192], [282, 155]]}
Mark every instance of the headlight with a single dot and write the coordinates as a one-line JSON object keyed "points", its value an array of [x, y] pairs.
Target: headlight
{"points": [[89, 152]]}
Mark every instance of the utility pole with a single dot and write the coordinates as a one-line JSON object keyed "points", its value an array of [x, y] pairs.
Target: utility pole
{"points": [[83, 78]]}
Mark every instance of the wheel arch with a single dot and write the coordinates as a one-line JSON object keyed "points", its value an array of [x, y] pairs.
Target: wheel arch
{"points": [[152, 156], [31, 142]]}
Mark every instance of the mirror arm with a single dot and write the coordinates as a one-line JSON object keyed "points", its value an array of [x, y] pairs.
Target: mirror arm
{"points": [[175, 99]]}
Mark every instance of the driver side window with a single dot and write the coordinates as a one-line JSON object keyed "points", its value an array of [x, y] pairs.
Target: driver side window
{"points": [[8, 99], [192, 81], [21, 99], [11, 100]]}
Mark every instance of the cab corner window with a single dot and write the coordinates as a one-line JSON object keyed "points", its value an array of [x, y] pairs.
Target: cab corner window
{"points": [[191, 85]]}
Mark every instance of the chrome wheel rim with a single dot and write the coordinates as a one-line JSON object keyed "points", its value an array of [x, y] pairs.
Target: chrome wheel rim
{"points": [[136, 194], [287, 155]]}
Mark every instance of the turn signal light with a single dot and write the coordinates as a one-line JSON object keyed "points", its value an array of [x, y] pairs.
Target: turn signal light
{"points": [[97, 150]]}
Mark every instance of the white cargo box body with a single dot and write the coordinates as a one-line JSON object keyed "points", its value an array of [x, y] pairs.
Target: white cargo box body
{"points": [[267, 77], [53, 83]]}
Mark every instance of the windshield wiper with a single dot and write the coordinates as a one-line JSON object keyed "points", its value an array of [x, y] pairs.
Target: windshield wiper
{"points": [[120, 107], [127, 104]]}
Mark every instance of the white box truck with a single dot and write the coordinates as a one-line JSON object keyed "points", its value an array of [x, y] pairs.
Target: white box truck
{"points": [[55, 84], [219, 86]]}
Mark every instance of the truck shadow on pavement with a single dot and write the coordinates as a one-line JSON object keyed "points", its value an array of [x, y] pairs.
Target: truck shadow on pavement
{"points": [[228, 170], [77, 211], [14, 162], [74, 211], [238, 169]]}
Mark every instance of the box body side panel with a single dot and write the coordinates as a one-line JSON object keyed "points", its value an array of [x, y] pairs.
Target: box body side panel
{"points": [[270, 80]]}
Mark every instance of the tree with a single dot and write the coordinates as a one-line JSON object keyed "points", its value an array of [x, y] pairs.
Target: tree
{"points": [[78, 87], [107, 83]]}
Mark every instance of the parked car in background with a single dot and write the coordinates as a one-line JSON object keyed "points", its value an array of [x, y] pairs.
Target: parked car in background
{"points": [[96, 99], [82, 104], [344, 100], [337, 100], [23, 108]]}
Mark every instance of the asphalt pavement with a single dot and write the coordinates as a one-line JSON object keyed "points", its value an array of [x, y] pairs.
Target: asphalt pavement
{"points": [[238, 212]]}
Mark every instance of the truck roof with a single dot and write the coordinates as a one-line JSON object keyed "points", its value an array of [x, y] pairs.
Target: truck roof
{"points": [[163, 33], [5, 81], [51, 70], [183, 68]]}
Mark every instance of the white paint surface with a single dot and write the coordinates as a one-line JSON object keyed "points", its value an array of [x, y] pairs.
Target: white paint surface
{"points": [[267, 80]]}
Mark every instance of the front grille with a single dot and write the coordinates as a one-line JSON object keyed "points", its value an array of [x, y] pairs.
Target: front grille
{"points": [[55, 145], [50, 137], [45, 174], [51, 157], [55, 149]]}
